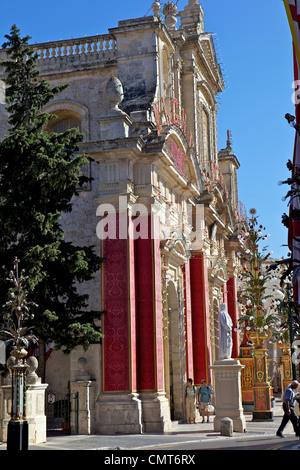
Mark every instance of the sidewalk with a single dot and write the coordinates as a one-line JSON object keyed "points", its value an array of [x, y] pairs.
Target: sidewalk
{"points": [[181, 433]]}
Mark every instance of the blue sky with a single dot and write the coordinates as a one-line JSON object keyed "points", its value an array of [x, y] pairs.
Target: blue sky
{"points": [[254, 48]]}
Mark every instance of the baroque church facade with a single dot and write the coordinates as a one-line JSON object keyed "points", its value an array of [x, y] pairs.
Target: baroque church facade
{"points": [[162, 209]]}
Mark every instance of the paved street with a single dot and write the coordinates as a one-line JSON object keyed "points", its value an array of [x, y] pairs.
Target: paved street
{"points": [[183, 437]]}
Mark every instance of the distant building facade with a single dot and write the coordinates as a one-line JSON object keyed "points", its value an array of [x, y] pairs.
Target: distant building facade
{"points": [[162, 209]]}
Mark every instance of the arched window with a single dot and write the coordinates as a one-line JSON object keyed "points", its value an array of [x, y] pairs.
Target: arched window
{"points": [[69, 115], [64, 124], [66, 119]]}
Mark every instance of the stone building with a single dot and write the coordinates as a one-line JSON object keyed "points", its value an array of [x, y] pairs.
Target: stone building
{"points": [[162, 209]]}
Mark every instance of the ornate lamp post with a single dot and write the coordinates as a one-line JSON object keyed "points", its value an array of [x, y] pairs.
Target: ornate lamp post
{"points": [[17, 312], [259, 320]]}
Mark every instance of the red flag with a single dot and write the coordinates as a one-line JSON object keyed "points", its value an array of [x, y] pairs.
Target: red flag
{"points": [[49, 350]]}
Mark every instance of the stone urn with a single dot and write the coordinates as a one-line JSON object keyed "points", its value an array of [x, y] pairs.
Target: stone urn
{"points": [[170, 12], [114, 93]]}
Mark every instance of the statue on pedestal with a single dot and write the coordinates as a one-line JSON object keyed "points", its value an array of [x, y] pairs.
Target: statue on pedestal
{"points": [[227, 379], [225, 333]]}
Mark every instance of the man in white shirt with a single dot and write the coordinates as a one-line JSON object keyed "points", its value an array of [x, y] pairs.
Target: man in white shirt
{"points": [[289, 398]]}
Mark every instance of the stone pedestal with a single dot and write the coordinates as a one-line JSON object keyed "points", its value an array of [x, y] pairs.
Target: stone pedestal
{"points": [[5, 408], [35, 412], [228, 394], [247, 361], [133, 413], [119, 413], [156, 412], [114, 125], [261, 390]]}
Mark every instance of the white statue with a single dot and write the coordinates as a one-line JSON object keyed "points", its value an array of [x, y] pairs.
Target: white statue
{"points": [[225, 333]]}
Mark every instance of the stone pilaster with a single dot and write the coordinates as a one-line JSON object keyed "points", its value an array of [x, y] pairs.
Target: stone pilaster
{"points": [[82, 419], [200, 317]]}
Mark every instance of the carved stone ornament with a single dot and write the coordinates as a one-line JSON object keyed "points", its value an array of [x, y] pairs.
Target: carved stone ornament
{"points": [[156, 8], [170, 12], [114, 92]]}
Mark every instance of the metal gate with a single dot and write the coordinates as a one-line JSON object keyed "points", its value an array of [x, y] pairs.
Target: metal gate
{"points": [[62, 412]]}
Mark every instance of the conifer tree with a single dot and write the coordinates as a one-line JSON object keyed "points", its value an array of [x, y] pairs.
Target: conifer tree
{"points": [[40, 172]]}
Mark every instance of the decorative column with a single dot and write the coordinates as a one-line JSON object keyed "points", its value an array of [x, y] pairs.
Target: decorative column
{"points": [[150, 357], [118, 408], [119, 372], [188, 320], [200, 317]]}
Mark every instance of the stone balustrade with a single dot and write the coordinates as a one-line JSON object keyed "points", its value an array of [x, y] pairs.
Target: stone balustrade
{"points": [[71, 52], [104, 46]]}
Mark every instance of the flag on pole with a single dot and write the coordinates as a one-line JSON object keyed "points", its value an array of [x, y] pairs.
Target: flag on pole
{"points": [[292, 8], [293, 13]]}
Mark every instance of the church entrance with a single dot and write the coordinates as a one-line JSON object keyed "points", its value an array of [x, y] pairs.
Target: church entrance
{"points": [[176, 364]]}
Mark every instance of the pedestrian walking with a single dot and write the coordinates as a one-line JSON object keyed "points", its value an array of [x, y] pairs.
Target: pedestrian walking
{"points": [[204, 399], [288, 399], [190, 401]]}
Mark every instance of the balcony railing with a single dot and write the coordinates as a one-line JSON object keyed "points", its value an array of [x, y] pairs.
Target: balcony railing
{"points": [[103, 46]]}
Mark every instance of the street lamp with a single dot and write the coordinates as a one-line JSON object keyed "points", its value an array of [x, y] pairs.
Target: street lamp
{"points": [[15, 332]]}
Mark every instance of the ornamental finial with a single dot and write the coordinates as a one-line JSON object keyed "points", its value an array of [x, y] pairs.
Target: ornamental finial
{"points": [[156, 8], [170, 12]]}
